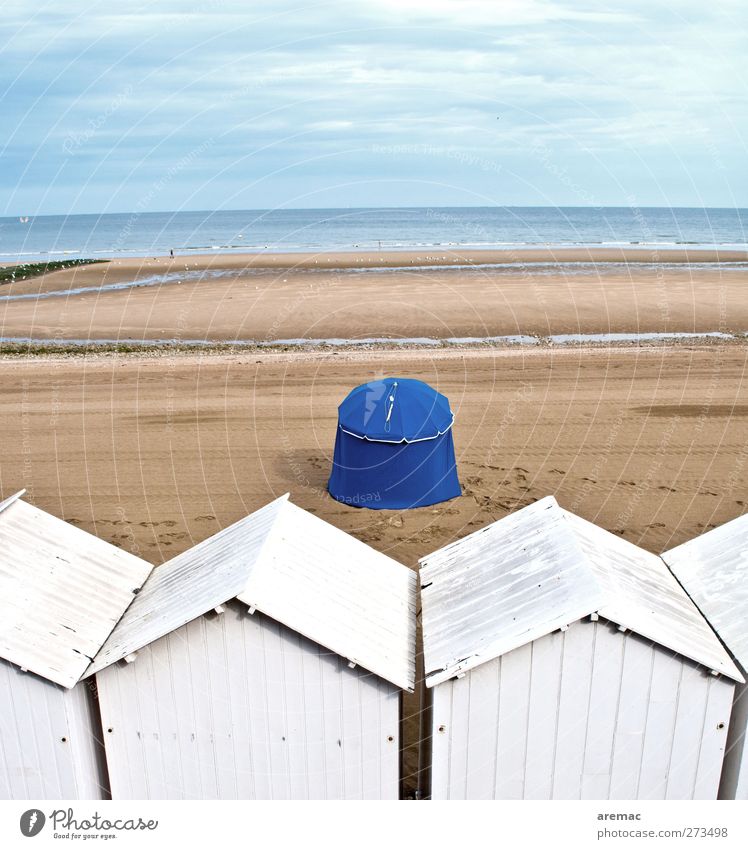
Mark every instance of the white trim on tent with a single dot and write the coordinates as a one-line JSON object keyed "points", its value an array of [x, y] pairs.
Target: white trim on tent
{"points": [[400, 441]]}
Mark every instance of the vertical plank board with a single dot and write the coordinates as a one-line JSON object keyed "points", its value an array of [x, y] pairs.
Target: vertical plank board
{"points": [[276, 709], [256, 726], [352, 743], [483, 732], [605, 694], [636, 683], [716, 723], [85, 740], [218, 656], [658, 734], [573, 704], [687, 734], [313, 721], [734, 783], [545, 684], [389, 723], [372, 739], [441, 718], [459, 738], [137, 685], [183, 694], [332, 704], [514, 692], [238, 646], [19, 753], [122, 768], [292, 648]]}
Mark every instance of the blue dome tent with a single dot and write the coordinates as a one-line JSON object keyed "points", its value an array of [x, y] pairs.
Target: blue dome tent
{"points": [[394, 448]]}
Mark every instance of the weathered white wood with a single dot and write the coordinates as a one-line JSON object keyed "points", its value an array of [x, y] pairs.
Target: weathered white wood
{"points": [[276, 716], [688, 733], [542, 724], [574, 697], [536, 571], [603, 709], [628, 745], [49, 747], [713, 569], [481, 722], [714, 739], [62, 591], [734, 784], [459, 752], [590, 713], [441, 740], [512, 735]]}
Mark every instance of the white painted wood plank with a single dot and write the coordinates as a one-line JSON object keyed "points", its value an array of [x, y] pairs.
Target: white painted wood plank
{"points": [[459, 754], [658, 735], [441, 737], [221, 725], [545, 686], [47, 745], [716, 723], [605, 693], [688, 734], [482, 730], [293, 696], [636, 683], [331, 666], [572, 711], [512, 733], [734, 784], [259, 706], [352, 734], [312, 717]]}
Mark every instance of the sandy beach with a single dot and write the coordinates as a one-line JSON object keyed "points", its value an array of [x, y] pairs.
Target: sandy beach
{"points": [[269, 298], [157, 451]]}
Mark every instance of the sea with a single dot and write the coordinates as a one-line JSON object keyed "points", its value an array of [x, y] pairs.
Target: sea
{"points": [[47, 237]]}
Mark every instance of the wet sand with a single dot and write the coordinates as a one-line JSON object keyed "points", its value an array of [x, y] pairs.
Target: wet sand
{"points": [[269, 298]]}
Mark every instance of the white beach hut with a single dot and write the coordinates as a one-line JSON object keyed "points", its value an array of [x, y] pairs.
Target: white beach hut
{"points": [[265, 663], [61, 593], [565, 662], [713, 569]]}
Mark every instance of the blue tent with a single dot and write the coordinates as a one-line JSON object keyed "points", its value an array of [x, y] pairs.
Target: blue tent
{"points": [[394, 448]]}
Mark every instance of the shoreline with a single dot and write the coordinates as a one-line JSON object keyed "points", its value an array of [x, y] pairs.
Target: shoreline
{"points": [[219, 302], [430, 256], [402, 257]]}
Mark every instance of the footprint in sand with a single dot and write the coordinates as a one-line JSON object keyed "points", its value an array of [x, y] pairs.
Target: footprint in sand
{"points": [[206, 518]]}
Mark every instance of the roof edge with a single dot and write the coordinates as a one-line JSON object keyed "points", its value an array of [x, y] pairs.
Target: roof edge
{"points": [[93, 668], [11, 499], [503, 646], [412, 578]]}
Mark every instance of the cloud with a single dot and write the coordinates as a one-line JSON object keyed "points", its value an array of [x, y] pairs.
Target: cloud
{"points": [[295, 96]]}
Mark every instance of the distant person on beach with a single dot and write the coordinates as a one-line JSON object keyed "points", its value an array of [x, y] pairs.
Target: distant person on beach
{"points": [[171, 253]]}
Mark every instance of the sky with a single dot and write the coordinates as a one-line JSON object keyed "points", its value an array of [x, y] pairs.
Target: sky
{"points": [[166, 105]]}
